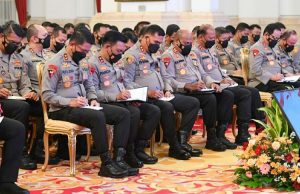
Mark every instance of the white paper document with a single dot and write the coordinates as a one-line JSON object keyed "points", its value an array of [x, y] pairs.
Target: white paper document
{"points": [[167, 98], [93, 107], [139, 94], [290, 78], [16, 98], [207, 90]]}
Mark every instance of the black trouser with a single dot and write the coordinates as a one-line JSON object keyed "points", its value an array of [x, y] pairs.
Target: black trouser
{"points": [[294, 84], [272, 86], [148, 113], [238, 80], [225, 100], [208, 104], [120, 118], [12, 132], [242, 98], [186, 105], [93, 119]]}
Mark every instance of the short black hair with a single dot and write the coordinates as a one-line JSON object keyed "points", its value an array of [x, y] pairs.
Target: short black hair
{"points": [[153, 29], [68, 26], [31, 31], [195, 29], [54, 25], [220, 31], [57, 30], [82, 26], [203, 29], [113, 37], [255, 26], [231, 29], [115, 28], [82, 35], [47, 24], [10, 27], [280, 25], [270, 28], [171, 29], [137, 27], [131, 36], [242, 26], [97, 26], [127, 30]]}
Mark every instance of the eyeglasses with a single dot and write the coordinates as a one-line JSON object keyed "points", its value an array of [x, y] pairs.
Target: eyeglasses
{"points": [[11, 41]]}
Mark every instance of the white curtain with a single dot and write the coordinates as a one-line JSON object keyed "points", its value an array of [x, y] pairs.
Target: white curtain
{"points": [[8, 11]]}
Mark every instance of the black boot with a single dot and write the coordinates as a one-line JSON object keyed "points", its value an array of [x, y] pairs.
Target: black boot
{"points": [[221, 129], [243, 134], [119, 154], [183, 138], [109, 168], [212, 142], [26, 162], [12, 188], [131, 158], [176, 151], [142, 155], [38, 154]]}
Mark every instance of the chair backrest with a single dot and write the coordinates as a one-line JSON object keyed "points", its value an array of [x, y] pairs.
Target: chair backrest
{"points": [[40, 68], [245, 64]]}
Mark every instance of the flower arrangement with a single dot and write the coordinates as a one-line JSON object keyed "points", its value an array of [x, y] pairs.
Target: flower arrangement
{"points": [[271, 158]]}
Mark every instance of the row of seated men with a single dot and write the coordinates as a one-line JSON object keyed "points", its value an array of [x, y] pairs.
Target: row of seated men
{"points": [[101, 67]]}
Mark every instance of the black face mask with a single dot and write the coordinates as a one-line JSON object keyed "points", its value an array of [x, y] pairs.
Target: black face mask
{"points": [[10, 48], [272, 42], [153, 48], [115, 58], [69, 36], [256, 37], [209, 43], [289, 48], [78, 56], [45, 42], [185, 49], [244, 39], [58, 46], [224, 43]]}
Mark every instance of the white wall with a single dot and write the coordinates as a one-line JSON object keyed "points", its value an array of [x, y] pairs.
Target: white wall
{"points": [[258, 9], [289, 7]]}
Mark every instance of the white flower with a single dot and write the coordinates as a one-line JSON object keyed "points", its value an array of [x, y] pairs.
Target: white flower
{"points": [[251, 162], [251, 142], [292, 135], [298, 179], [275, 145]]}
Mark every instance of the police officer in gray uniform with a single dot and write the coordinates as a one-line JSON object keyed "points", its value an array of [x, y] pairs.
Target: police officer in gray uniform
{"points": [[283, 49], [108, 79], [141, 70], [57, 42], [265, 68], [68, 86], [188, 77], [210, 64]]}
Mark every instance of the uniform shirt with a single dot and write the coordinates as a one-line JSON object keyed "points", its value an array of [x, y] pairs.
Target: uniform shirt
{"points": [[95, 49], [183, 69], [64, 80], [48, 54], [263, 63], [142, 70], [226, 59], [32, 60], [296, 58], [286, 61], [14, 74], [235, 48], [209, 61], [108, 78]]}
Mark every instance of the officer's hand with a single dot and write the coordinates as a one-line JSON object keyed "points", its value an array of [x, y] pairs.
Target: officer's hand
{"points": [[226, 81], [4, 92], [32, 96], [155, 94], [95, 103], [216, 87], [192, 86], [200, 84], [237, 72], [124, 95], [277, 77], [78, 102], [168, 94]]}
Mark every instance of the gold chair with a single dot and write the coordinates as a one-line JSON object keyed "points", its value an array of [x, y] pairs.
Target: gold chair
{"points": [[1, 150], [63, 128]]}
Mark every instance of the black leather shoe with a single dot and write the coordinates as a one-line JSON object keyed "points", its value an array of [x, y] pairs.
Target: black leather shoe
{"points": [[109, 168], [131, 158], [27, 163], [119, 159], [145, 158], [183, 138], [228, 144], [221, 129], [12, 188], [179, 154]]}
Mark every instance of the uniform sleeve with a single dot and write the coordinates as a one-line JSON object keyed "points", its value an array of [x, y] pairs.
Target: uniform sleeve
{"points": [[89, 85], [24, 84], [130, 64], [296, 59], [206, 78], [256, 60], [167, 64], [49, 85]]}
